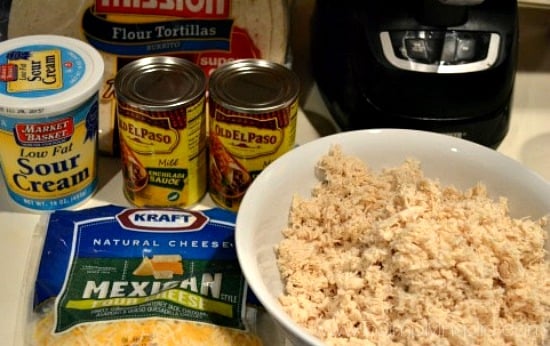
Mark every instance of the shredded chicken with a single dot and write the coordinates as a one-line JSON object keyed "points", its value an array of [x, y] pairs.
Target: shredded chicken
{"points": [[395, 258]]}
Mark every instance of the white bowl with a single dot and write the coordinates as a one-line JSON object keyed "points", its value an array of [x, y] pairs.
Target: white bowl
{"points": [[263, 213]]}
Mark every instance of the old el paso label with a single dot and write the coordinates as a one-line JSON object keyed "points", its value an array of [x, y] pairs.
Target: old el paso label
{"points": [[247, 137], [145, 138], [39, 70], [44, 134]]}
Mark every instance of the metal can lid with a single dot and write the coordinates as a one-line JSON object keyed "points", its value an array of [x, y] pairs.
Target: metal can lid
{"points": [[253, 86], [160, 83]]}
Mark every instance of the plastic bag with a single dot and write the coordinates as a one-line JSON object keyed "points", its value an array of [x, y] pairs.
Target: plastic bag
{"points": [[126, 276]]}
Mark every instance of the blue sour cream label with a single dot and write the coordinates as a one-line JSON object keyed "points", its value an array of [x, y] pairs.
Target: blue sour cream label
{"points": [[49, 120]]}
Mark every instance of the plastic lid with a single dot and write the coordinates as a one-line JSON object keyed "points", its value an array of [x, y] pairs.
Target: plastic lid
{"points": [[47, 74]]}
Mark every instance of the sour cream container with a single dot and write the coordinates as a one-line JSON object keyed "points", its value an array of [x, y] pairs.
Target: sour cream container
{"points": [[48, 120]]}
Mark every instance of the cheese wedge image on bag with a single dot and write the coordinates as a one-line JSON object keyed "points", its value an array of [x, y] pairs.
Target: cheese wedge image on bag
{"points": [[123, 276]]}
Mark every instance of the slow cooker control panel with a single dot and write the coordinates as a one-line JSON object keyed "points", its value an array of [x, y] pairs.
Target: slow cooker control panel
{"points": [[440, 51]]}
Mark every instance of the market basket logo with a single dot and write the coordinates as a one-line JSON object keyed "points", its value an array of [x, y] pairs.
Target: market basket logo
{"points": [[150, 220], [45, 134]]}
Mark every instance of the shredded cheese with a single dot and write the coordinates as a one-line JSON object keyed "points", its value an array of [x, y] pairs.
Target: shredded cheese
{"points": [[144, 332], [395, 258]]}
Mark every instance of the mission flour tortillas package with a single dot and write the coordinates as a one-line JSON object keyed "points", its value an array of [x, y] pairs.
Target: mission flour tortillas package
{"points": [[148, 277], [208, 33]]}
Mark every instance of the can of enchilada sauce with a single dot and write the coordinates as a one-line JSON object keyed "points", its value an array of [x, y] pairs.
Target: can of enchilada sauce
{"points": [[253, 106], [49, 120], [162, 127]]}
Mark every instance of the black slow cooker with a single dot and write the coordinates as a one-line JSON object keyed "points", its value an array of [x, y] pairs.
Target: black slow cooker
{"points": [[440, 65]]}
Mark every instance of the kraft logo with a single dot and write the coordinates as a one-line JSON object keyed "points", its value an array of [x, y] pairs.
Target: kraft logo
{"points": [[162, 220]]}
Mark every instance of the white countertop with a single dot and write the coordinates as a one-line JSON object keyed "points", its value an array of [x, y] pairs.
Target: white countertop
{"points": [[528, 142]]}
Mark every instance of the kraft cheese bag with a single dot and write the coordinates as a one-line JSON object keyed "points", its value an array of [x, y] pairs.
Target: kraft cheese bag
{"points": [[208, 33], [121, 276]]}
